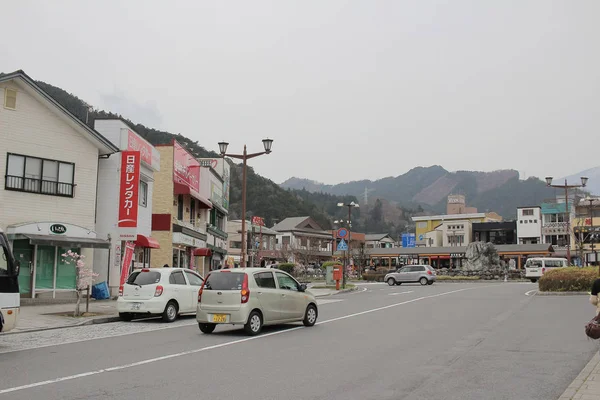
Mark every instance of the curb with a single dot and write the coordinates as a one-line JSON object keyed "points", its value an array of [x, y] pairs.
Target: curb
{"points": [[95, 321], [578, 383], [335, 293], [538, 293]]}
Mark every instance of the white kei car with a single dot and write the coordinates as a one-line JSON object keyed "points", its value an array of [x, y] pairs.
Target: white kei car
{"points": [[159, 291]]}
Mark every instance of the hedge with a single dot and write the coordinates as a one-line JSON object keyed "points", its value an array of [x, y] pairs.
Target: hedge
{"points": [[329, 264], [287, 267], [569, 279]]}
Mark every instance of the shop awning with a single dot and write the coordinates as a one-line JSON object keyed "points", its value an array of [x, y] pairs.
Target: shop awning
{"points": [[184, 189], [146, 241], [202, 252], [67, 241]]}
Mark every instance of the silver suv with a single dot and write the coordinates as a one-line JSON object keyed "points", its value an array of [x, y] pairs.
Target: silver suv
{"points": [[423, 274]]}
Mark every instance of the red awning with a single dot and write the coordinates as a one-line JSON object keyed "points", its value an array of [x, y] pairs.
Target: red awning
{"points": [[145, 241], [202, 252], [185, 189]]}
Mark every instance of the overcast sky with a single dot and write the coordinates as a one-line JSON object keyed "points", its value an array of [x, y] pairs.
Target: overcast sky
{"points": [[347, 89]]}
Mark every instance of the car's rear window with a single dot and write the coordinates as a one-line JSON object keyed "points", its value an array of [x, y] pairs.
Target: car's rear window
{"points": [[224, 281], [144, 278]]}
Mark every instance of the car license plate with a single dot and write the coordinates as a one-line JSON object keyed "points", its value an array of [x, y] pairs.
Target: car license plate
{"points": [[219, 318], [136, 306]]}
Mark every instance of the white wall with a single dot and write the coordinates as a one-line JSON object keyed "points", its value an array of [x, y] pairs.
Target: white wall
{"points": [[466, 231], [529, 226], [33, 129]]}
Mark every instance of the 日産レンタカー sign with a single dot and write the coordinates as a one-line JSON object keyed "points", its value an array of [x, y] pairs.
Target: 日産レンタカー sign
{"points": [[129, 189]]}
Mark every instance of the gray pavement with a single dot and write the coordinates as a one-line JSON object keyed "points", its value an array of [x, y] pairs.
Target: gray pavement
{"points": [[471, 341]]}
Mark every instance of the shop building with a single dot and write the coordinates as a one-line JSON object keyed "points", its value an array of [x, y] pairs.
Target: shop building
{"points": [[262, 243], [48, 176], [529, 225], [495, 232], [214, 180], [180, 210], [456, 228], [113, 185]]}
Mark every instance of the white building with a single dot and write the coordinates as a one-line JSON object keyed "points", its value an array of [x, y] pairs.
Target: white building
{"points": [[456, 233], [48, 175], [379, 241], [214, 179], [529, 225], [108, 266]]}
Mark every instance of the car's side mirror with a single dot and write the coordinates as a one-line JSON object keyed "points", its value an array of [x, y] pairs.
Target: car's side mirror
{"points": [[17, 268], [302, 287]]}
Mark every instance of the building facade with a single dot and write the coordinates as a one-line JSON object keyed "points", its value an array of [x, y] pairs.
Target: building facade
{"points": [[48, 176], [111, 191], [529, 225], [586, 229], [302, 241], [379, 241], [262, 244], [495, 232], [180, 211], [450, 225], [555, 229]]}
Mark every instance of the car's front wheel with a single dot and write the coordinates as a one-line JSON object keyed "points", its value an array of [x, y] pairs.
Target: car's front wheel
{"points": [[423, 281], [310, 317], [533, 280], [391, 281], [170, 313], [207, 328], [254, 324]]}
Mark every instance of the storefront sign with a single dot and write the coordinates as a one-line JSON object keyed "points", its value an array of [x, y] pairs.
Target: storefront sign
{"points": [[129, 191], [180, 238], [456, 255], [136, 143], [258, 221], [212, 163], [186, 169], [127, 257], [58, 229]]}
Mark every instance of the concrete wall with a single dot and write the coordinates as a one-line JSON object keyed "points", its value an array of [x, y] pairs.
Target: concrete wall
{"points": [[162, 203]]}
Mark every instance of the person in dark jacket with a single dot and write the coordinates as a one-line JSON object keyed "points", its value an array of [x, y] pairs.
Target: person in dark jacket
{"points": [[595, 295]]}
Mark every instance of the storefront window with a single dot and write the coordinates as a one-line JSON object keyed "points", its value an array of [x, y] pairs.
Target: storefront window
{"points": [[66, 274], [44, 272]]}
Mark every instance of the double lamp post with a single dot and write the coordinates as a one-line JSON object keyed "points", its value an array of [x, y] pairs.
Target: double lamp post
{"points": [[267, 143]]}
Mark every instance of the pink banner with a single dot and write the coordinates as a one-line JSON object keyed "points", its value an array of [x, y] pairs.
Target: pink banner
{"points": [[127, 257], [186, 169]]}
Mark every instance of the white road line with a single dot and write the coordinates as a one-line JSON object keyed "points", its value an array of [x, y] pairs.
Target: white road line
{"points": [[216, 346], [397, 293], [529, 293]]}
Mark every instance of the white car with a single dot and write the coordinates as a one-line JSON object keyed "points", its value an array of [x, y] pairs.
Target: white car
{"points": [[159, 291]]}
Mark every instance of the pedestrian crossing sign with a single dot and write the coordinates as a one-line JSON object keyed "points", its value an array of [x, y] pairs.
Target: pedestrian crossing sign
{"points": [[342, 245]]}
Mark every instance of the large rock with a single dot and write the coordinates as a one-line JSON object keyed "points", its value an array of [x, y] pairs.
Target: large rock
{"points": [[482, 257]]}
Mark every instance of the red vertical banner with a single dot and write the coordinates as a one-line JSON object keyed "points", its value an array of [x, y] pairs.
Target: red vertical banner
{"points": [[127, 257], [129, 189]]}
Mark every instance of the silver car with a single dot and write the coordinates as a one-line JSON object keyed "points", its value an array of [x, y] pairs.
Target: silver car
{"points": [[253, 297], [424, 274]]}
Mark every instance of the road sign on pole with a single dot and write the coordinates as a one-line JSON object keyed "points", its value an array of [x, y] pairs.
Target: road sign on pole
{"points": [[342, 245], [342, 233]]}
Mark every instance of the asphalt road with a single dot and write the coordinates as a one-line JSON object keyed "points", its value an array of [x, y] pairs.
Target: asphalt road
{"points": [[446, 341]]}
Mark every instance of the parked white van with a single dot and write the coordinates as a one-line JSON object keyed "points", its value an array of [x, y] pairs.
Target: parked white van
{"points": [[535, 267]]}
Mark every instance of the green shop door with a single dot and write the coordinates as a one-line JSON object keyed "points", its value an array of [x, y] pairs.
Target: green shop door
{"points": [[24, 254]]}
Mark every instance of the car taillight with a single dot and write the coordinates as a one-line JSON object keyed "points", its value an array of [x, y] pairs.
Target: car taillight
{"points": [[429, 272], [543, 270], [158, 291], [245, 290], [120, 290], [202, 289], [145, 270]]}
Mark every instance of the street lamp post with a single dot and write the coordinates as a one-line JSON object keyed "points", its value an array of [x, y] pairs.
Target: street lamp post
{"points": [[593, 232], [566, 187], [350, 207], [267, 143]]}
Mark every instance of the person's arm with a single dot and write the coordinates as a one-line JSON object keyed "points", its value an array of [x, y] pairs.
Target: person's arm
{"points": [[594, 300]]}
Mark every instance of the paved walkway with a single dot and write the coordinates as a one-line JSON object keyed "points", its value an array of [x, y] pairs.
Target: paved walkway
{"points": [[54, 316], [587, 384]]}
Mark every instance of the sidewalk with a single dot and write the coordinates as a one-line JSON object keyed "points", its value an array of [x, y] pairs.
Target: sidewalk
{"points": [[587, 384], [53, 316]]}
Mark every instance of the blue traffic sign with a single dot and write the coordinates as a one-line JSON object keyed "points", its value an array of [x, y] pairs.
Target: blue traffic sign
{"points": [[342, 245], [342, 232], [420, 237]]}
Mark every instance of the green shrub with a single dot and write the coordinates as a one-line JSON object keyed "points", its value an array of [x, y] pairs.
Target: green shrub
{"points": [[287, 267], [457, 278], [329, 264], [373, 276], [569, 279]]}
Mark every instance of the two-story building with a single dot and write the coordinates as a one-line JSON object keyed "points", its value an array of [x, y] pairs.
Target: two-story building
{"points": [[180, 210], [48, 176], [214, 180], [303, 241], [379, 241], [586, 229], [449, 230], [113, 223], [261, 241], [555, 227], [495, 232], [529, 225]]}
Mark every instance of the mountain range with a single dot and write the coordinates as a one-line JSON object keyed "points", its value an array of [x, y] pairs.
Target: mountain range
{"points": [[428, 187]]}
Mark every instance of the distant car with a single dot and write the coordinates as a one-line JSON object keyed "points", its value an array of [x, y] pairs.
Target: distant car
{"points": [[424, 274], [253, 297], [537, 266], [159, 291]]}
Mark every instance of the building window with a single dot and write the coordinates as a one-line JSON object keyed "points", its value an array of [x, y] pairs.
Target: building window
{"points": [[143, 194], [235, 244], [422, 225], [10, 99], [527, 212], [180, 207], [39, 175], [193, 211]]}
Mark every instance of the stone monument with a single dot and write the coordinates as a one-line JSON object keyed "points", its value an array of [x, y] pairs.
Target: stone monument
{"points": [[482, 256]]}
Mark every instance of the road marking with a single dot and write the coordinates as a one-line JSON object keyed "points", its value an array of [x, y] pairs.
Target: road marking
{"points": [[397, 293], [216, 346], [529, 293]]}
